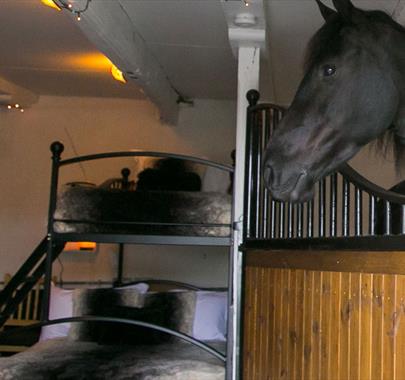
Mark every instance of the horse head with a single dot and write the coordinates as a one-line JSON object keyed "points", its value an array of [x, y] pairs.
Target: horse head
{"points": [[351, 93]]}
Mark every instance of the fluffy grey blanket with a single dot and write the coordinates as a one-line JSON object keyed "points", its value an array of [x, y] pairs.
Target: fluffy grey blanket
{"points": [[102, 205], [64, 359]]}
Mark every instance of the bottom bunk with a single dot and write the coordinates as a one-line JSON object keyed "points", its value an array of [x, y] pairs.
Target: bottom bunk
{"points": [[61, 358], [132, 331]]}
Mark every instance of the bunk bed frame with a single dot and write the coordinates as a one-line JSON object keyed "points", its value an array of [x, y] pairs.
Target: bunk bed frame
{"points": [[323, 282], [40, 262]]}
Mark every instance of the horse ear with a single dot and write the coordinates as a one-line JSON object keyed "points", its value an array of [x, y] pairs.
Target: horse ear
{"points": [[326, 12], [345, 8]]}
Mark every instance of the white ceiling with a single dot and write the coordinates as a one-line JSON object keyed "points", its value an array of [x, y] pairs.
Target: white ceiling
{"points": [[44, 51]]}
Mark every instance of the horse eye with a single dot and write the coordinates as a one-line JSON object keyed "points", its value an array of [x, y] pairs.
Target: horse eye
{"points": [[328, 70]]}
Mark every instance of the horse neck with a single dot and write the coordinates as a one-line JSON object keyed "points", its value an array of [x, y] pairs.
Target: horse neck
{"points": [[396, 63]]}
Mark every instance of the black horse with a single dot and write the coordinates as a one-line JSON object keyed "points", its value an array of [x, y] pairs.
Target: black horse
{"points": [[352, 92]]}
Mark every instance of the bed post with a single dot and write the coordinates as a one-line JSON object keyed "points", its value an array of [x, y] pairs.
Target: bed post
{"points": [[56, 149]]}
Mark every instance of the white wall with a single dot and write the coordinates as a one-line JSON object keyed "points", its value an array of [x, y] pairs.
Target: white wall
{"points": [[99, 125]]}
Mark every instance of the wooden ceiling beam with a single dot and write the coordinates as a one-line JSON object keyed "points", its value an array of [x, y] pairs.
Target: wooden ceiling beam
{"points": [[107, 25]]}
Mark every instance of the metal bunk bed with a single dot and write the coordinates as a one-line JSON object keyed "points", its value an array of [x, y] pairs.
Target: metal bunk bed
{"points": [[40, 262]]}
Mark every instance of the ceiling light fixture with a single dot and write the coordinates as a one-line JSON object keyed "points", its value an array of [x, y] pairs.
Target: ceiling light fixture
{"points": [[117, 74], [246, 2], [51, 3]]}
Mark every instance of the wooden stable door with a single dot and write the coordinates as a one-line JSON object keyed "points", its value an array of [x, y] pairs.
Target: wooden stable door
{"points": [[320, 324]]}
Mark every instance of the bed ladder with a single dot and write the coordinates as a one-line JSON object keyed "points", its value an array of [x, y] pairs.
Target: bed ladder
{"points": [[17, 289]]}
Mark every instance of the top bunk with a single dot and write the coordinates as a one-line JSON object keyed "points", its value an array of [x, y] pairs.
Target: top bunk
{"points": [[172, 199], [348, 212]]}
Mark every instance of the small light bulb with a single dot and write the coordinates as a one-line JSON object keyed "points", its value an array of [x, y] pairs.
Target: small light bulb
{"points": [[17, 105], [70, 6], [78, 17], [22, 110], [9, 107]]}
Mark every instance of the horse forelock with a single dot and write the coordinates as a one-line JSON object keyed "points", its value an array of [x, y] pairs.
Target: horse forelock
{"points": [[328, 40]]}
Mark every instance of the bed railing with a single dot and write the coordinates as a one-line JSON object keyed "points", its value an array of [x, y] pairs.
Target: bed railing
{"points": [[346, 207]]}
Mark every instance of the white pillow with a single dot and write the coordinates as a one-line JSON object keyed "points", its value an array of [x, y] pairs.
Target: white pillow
{"points": [[141, 287], [210, 317], [60, 306]]}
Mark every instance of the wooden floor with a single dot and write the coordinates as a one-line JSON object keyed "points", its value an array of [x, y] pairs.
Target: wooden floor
{"points": [[323, 325]]}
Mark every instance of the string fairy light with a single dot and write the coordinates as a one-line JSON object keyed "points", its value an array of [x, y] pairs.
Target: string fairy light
{"points": [[10, 107], [63, 4]]}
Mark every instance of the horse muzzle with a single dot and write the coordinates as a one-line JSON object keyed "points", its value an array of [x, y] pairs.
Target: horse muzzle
{"points": [[296, 187]]}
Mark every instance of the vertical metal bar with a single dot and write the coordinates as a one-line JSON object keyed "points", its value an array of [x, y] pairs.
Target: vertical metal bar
{"points": [[358, 205], [333, 205], [300, 219], [248, 176], [56, 149], [310, 219], [281, 219], [259, 183], [120, 263], [322, 202], [346, 208], [387, 217], [372, 215], [290, 220], [273, 219], [403, 219], [267, 204]]}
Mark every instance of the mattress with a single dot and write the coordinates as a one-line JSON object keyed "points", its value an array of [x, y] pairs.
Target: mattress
{"points": [[62, 358], [97, 210]]}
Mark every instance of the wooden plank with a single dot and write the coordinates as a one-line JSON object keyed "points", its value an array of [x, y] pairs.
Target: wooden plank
{"points": [[316, 326], [256, 329], [308, 321], [272, 322], [293, 319], [334, 345], [377, 362], [266, 323], [300, 323], [389, 327], [325, 325], [277, 324], [387, 262], [261, 299], [247, 322], [345, 315], [284, 368], [355, 333], [262, 323], [400, 338], [366, 325]]}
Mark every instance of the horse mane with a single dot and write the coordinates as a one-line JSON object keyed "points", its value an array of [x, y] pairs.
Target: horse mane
{"points": [[390, 142]]}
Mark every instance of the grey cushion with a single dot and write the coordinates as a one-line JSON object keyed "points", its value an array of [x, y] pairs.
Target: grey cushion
{"points": [[173, 310]]}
